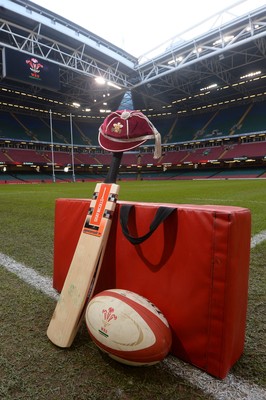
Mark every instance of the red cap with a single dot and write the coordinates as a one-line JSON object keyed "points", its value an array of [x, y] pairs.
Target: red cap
{"points": [[124, 130]]}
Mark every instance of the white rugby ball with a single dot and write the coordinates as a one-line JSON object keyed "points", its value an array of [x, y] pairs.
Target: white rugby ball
{"points": [[128, 327]]}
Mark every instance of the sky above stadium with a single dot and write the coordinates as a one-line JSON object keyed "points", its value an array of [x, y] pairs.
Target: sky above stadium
{"points": [[146, 26]]}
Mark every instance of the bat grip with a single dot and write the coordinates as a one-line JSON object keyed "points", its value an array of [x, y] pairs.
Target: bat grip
{"points": [[114, 168]]}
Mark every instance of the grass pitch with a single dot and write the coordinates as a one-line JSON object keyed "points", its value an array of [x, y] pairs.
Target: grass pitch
{"points": [[32, 368]]}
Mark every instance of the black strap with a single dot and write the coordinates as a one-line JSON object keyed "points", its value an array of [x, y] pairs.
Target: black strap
{"points": [[161, 214]]}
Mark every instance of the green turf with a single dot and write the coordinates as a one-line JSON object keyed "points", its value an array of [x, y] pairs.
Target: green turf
{"points": [[31, 368], [27, 211]]}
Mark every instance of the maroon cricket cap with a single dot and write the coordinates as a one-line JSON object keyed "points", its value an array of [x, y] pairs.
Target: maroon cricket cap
{"points": [[124, 130]]}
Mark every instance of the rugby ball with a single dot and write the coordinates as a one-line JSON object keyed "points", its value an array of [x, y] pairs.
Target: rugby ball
{"points": [[128, 327]]}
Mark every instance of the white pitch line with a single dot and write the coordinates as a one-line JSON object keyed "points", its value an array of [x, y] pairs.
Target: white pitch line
{"points": [[231, 388], [257, 239], [29, 276]]}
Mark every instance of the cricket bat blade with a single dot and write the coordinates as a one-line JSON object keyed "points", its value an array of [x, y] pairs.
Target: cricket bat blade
{"points": [[87, 258]]}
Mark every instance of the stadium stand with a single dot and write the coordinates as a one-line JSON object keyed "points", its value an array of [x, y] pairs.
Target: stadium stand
{"points": [[6, 178], [103, 159], [10, 127], [174, 157], [231, 121], [263, 175], [239, 173], [86, 159], [225, 121], [88, 132], [240, 150], [4, 159], [20, 156], [255, 120], [28, 127], [148, 159], [216, 156], [35, 128], [165, 127], [211, 117], [203, 154], [187, 128], [130, 159]]}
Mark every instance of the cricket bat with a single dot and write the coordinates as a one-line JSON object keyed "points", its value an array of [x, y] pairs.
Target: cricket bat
{"points": [[86, 262]]}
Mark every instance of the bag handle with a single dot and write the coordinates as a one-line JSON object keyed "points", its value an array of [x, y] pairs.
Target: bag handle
{"points": [[161, 214]]}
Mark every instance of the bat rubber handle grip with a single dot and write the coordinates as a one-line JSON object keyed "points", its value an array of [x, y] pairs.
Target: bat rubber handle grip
{"points": [[114, 168]]}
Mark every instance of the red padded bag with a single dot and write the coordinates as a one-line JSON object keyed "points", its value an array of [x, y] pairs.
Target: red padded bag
{"points": [[193, 266]]}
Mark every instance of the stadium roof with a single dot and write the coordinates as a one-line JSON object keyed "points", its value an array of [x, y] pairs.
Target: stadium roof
{"points": [[225, 66]]}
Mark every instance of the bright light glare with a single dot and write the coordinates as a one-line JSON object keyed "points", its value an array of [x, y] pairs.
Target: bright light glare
{"points": [[100, 80]]}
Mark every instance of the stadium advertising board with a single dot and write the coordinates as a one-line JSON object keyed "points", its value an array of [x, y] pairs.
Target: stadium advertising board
{"points": [[30, 69]]}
